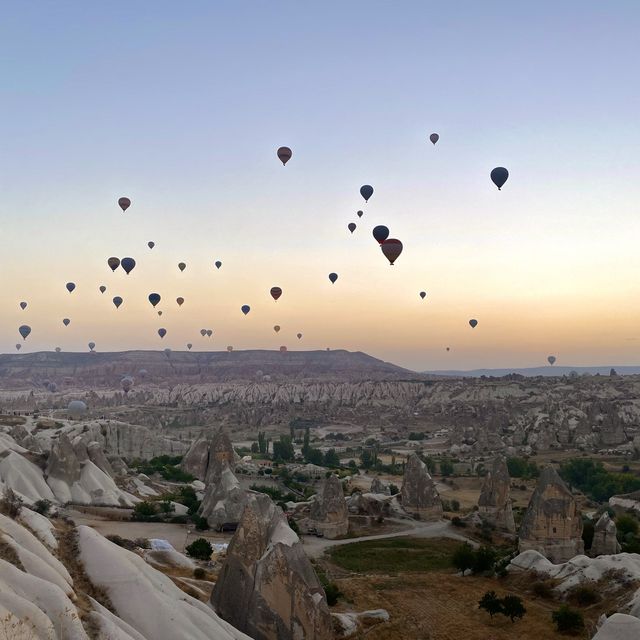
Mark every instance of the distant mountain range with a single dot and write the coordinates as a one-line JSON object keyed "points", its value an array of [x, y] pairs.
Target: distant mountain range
{"points": [[538, 371]]}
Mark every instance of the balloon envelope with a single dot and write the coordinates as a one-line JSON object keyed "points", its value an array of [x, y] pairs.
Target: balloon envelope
{"points": [[229, 348], [245, 308], [392, 248], [124, 203], [275, 292], [113, 263], [92, 345], [276, 328], [76, 408], [366, 191], [333, 277], [18, 346], [154, 299], [209, 333], [70, 286], [189, 345], [162, 332], [423, 294], [203, 332], [218, 264], [284, 153], [499, 176], [434, 137], [23, 305], [126, 383], [167, 352], [151, 244], [58, 349], [128, 264], [182, 266], [283, 349], [66, 322], [180, 301], [117, 301], [24, 331], [380, 233], [551, 360], [473, 322], [360, 214], [351, 226], [102, 288]]}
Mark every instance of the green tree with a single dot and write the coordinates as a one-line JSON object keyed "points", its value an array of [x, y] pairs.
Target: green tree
{"points": [[305, 442], [331, 458], [200, 549], [513, 607], [314, 456], [262, 442], [144, 509], [283, 449], [626, 524], [446, 467], [490, 603], [463, 557], [366, 459], [567, 620], [483, 559]]}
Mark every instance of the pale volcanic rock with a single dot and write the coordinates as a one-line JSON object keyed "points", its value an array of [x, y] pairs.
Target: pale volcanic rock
{"points": [[196, 460], [267, 587], [494, 503], [328, 511], [96, 455], [63, 464], [619, 626], [419, 494], [224, 499], [379, 486], [552, 523], [201, 458], [605, 540]]}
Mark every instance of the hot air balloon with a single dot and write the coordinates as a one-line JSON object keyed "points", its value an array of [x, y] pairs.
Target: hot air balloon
{"points": [[276, 328], [18, 346], [70, 286], [126, 383], [113, 263], [392, 249], [448, 349], [180, 301], [351, 226], [333, 277], [76, 408], [128, 264], [283, 349], [182, 266], [473, 323], [284, 153], [117, 301], [203, 332], [229, 348], [359, 214], [92, 346], [366, 191], [189, 345], [275, 292], [551, 360], [209, 333], [24, 331], [299, 335], [499, 176], [434, 137], [124, 203], [159, 313], [154, 299], [151, 244], [66, 321], [380, 233], [23, 305], [167, 352], [245, 308], [162, 332], [102, 288], [423, 294], [58, 349], [218, 264]]}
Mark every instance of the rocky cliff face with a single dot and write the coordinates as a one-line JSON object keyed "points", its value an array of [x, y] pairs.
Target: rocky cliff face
{"points": [[267, 587], [420, 497], [605, 538], [206, 452], [494, 504], [552, 524], [224, 500], [328, 510]]}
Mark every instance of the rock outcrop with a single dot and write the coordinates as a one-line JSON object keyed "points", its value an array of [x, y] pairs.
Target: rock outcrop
{"points": [[494, 504], [224, 499], [420, 497], [552, 524], [619, 626], [605, 540], [380, 487], [267, 587], [207, 451], [328, 512]]}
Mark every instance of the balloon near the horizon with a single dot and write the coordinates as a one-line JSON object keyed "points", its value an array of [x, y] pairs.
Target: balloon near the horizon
{"points": [[284, 154], [18, 346], [24, 330], [499, 176], [392, 248], [229, 348], [434, 137], [92, 346], [283, 349], [189, 345], [299, 335], [366, 191], [162, 332], [551, 360], [276, 328], [473, 323], [124, 203]]}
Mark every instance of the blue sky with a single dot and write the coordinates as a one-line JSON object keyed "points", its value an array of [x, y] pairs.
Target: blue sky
{"points": [[182, 106]]}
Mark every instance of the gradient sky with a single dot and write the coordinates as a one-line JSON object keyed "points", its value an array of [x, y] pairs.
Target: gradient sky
{"points": [[181, 107]]}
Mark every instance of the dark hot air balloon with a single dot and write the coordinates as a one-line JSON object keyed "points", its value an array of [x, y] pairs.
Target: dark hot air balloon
{"points": [[209, 333], [283, 349], [276, 328], [333, 277], [151, 244], [351, 226], [499, 176], [154, 299], [182, 266], [434, 137], [58, 349], [359, 214], [218, 264], [159, 313], [380, 233], [18, 346], [423, 294], [551, 360], [392, 249], [189, 345], [180, 301], [23, 305], [66, 322], [70, 286], [275, 292], [284, 153], [448, 349], [117, 301], [124, 203], [229, 348], [162, 332], [167, 352], [203, 332], [299, 335], [245, 308], [128, 265], [113, 263], [473, 323], [92, 346], [366, 191], [102, 288], [126, 383]]}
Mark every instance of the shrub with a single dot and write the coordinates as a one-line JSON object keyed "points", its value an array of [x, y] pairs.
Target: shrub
{"points": [[199, 573], [585, 595], [11, 503], [567, 620], [513, 607], [144, 511], [200, 549], [332, 592], [484, 559], [456, 521], [463, 557], [542, 590], [201, 523], [490, 603], [42, 506]]}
